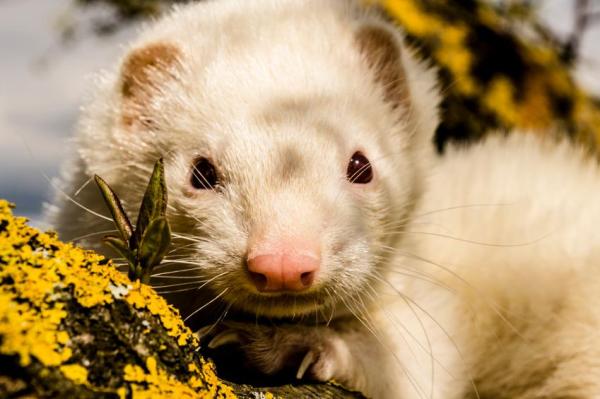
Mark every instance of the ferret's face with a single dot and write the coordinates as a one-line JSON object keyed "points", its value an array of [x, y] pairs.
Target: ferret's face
{"points": [[287, 164], [286, 209]]}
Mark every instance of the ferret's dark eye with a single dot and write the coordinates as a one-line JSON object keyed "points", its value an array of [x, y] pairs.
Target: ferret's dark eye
{"points": [[359, 169], [204, 175]]}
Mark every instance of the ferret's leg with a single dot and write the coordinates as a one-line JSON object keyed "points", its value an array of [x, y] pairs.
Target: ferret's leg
{"points": [[369, 357], [422, 344], [344, 352]]}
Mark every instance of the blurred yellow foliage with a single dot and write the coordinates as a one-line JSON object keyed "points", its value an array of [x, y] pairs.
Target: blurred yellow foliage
{"points": [[495, 77]]}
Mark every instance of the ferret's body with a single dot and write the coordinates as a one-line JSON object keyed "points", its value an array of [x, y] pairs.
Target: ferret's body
{"points": [[507, 237], [476, 272]]}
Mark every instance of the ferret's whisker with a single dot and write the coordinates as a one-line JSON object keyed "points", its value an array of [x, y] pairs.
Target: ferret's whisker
{"points": [[413, 218], [75, 202], [421, 276], [456, 207], [180, 257], [206, 186], [363, 319], [205, 305], [204, 283], [405, 299], [157, 287], [194, 239], [365, 310], [97, 233], [180, 262], [494, 306], [177, 271], [162, 277], [84, 185], [372, 330], [408, 300], [175, 291], [332, 305], [486, 244], [61, 191], [220, 318]]}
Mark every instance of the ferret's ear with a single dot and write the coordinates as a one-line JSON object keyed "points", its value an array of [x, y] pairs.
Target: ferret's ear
{"points": [[143, 72], [382, 50]]}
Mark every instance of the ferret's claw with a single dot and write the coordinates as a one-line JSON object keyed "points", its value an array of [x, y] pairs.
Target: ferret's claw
{"points": [[224, 338], [309, 359]]}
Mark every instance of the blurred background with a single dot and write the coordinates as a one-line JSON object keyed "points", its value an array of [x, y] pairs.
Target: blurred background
{"points": [[504, 64]]}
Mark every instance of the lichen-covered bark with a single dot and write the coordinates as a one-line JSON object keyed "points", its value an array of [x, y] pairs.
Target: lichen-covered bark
{"points": [[72, 326]]}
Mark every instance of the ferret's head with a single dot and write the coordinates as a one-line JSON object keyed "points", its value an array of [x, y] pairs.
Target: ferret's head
{"points": [[294, 134]]}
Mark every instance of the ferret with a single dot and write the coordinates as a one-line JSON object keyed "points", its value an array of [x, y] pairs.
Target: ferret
{"points": [[304, 190]]}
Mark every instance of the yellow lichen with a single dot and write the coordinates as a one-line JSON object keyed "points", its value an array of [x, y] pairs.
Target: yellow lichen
{"points": [[413, 18], [535, 110], [41, 271], [540, 96], [154, 382], [75, 373], [454, 55], [500, 97], [27, 334], [144, 297]]}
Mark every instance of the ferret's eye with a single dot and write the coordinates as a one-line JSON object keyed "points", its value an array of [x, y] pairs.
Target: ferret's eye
{"points": [[359, 169], [204, 175]]}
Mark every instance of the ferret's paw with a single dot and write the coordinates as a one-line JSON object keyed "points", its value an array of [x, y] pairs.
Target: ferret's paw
{"points": [[316, 353], [318, 366]]}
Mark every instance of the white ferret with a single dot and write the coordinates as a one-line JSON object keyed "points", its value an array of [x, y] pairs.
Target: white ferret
{"points": [[303, 186]]}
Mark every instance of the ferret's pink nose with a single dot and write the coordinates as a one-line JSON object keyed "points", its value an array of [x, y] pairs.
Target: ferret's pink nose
{"points": [[283, 271]]}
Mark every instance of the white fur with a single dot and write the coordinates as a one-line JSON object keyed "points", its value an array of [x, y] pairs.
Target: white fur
{"points": [[509, 227], [488, 279]]}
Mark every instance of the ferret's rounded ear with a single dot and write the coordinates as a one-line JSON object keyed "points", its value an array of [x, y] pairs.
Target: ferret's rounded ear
{"points": [[143, 72], [382, 50]]}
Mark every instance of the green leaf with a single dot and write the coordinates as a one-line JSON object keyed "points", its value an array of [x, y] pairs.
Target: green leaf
{"points": [[116, 209], [154, 245], [120, 247], [154, 204], [135, 273]]}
